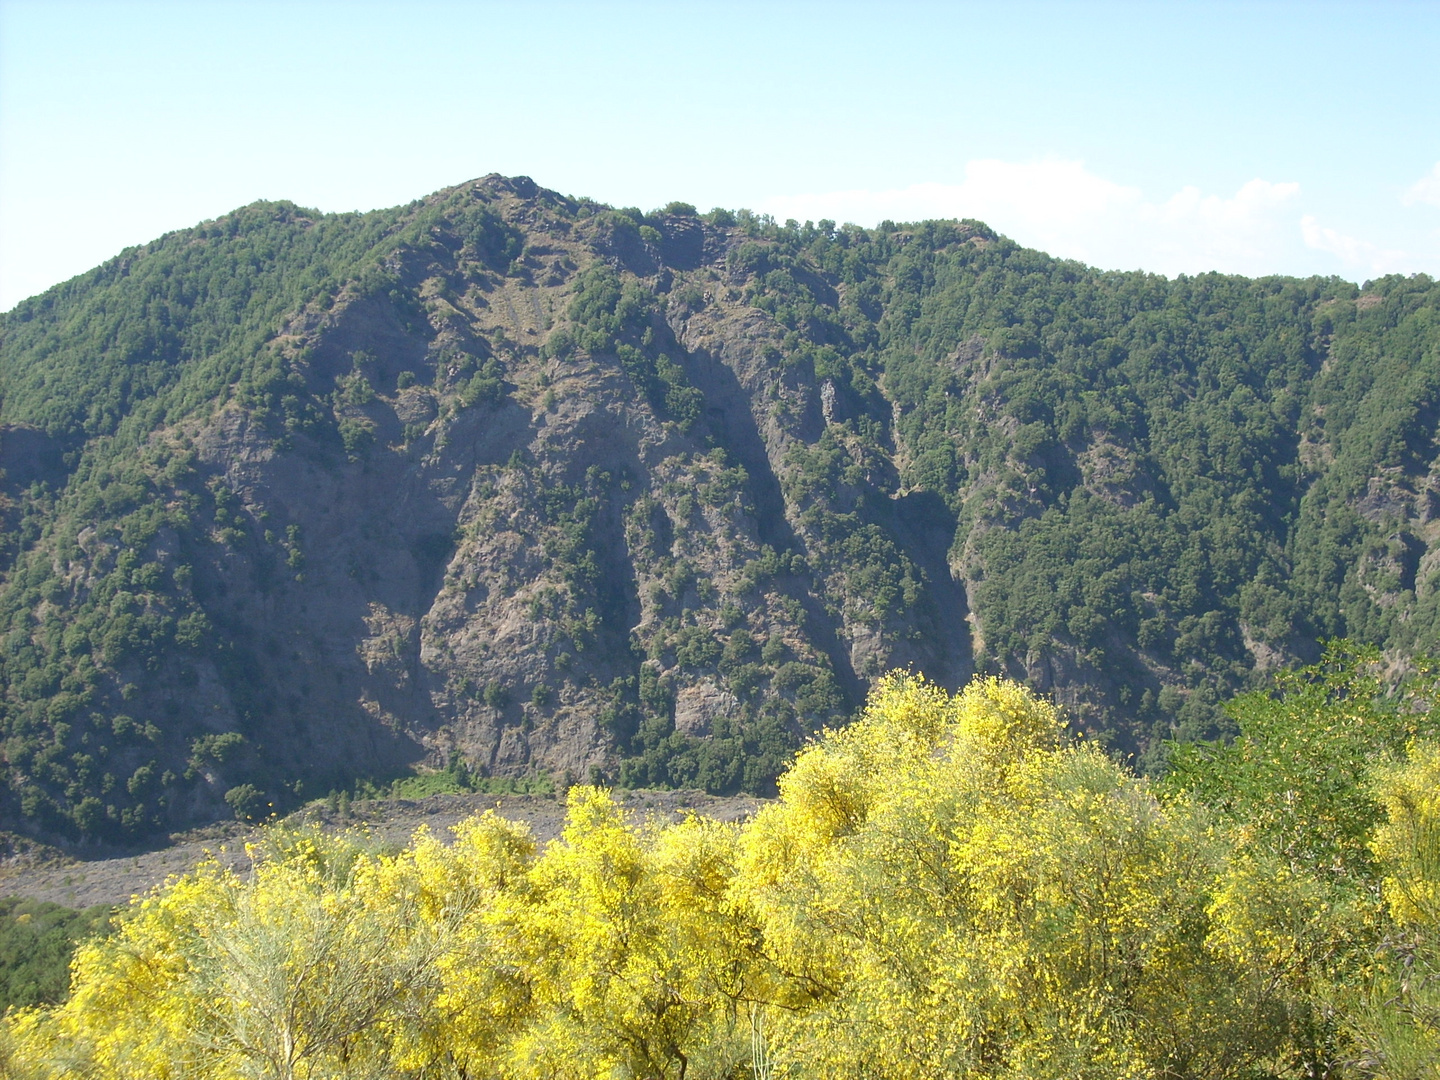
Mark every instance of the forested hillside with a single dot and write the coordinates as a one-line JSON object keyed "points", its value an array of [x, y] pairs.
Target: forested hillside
{"points": [[522, 483]]}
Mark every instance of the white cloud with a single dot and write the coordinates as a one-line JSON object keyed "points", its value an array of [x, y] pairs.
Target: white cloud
{"points": [[1062, 207], [1355, 253], [1424, 190], [1192, 231]]}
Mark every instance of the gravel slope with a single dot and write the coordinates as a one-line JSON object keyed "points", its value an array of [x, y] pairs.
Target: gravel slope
{"points": [[44, 874]]}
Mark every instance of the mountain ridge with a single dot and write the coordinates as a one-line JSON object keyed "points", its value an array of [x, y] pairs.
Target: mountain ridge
{"points": [[523, 481]]}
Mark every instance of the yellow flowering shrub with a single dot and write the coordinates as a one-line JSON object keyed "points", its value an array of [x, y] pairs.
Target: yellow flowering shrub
{"points": [[948, 887]]}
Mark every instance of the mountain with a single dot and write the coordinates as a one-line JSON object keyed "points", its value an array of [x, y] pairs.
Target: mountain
{"points": [[527, 483]]}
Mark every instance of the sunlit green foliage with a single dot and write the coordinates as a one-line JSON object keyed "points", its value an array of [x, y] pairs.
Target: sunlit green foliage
{"points": [[37, 940], [1298, 774]]}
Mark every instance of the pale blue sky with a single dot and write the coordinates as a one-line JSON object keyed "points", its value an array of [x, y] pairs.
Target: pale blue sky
{"points": [[1260, 137]]}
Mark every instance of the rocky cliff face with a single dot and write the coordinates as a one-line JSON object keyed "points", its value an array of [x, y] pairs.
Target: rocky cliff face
{"points": [[528, 578], [514, 554]]}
